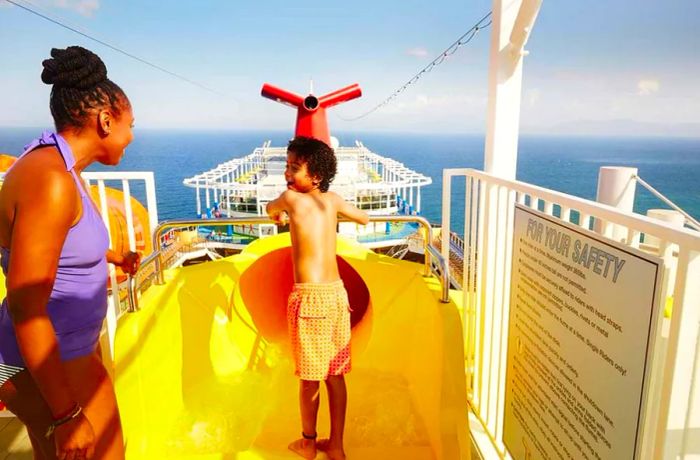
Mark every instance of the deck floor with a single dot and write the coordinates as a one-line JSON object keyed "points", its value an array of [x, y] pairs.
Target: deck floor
{"points": [[14, 442], [15, 445]]}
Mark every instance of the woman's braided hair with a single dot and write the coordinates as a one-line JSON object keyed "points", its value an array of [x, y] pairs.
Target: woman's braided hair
{"points": [[80, 86]]}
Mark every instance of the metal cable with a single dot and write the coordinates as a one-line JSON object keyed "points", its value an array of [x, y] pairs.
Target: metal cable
{"points": [[449, 51], [689, 220], [112, 47]]}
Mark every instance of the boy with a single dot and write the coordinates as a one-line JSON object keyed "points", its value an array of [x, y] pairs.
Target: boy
{"points": [[318, 311]]}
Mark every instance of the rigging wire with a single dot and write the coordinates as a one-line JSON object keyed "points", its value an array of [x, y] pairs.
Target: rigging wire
{"points": [[112, 47], [483, 23]]}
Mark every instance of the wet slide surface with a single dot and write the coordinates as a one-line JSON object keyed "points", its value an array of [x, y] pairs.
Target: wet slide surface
{"points": [[204, 369]]}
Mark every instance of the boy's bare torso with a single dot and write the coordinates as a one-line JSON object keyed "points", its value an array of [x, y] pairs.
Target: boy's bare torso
{"points": [[313, 219]]}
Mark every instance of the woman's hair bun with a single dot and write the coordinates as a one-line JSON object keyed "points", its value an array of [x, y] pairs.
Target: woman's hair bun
{"points": [[74, 67]]}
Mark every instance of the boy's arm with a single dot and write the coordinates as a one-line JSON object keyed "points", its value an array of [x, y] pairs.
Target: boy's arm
{"points": [[279, 205], [348, 210]]}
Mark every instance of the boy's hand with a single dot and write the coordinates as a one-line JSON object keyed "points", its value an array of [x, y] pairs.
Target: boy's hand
{"points": [[276, 208], [282, 218]]}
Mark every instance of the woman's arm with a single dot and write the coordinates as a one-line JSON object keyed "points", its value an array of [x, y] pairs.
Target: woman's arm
{"points": [[114, 257], [46, 206]]}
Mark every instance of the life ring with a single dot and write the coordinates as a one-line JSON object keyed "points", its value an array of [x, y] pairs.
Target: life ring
{"points": [[117, 224], [6, 161]]}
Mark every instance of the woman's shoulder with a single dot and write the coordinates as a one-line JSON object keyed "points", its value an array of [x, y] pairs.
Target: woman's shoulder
{"points": [[44, 160], [40, 171]]}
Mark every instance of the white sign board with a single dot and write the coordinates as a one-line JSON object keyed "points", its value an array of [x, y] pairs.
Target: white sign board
{"points": [[583, 314]]}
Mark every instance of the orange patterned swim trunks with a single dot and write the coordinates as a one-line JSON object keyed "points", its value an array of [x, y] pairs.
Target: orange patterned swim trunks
{"points": [[319, 326]]}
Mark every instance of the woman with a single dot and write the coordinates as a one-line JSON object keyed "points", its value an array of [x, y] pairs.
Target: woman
{"points": [[54, 249]]}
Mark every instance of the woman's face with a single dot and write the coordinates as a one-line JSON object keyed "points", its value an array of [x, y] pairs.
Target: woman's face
{"points": [[119, 135]]}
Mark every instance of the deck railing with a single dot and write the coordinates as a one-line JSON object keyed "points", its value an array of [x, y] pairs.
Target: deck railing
{"points": [[672, 406], [434, 262], [241, 178], [126, 182]]}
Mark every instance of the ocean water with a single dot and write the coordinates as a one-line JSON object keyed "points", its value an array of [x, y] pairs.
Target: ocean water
{"points": [[566, 164]]}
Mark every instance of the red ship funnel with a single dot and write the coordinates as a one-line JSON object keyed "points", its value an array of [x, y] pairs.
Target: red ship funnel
{"points": [[311, 111]]}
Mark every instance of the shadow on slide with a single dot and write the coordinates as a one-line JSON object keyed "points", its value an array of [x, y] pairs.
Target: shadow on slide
{"points": [[204, 369]]}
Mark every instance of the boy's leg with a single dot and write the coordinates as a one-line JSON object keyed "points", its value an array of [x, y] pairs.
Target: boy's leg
{"points": [[309, 398], [337, 403], [308, 401]]}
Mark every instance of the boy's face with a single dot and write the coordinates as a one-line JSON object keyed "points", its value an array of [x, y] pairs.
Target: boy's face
{"points": [[297, 175]]}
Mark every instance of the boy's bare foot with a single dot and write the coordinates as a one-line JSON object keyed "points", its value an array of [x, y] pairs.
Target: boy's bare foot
{"points": [[333, 453], [305, 448]]}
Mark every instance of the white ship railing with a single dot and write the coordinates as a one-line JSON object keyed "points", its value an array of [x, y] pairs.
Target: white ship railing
{"points": [[672, 421], [369, 175], [126, 182]]}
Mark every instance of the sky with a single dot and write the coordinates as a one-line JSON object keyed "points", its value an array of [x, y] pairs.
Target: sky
{"points": [[603, 67]]}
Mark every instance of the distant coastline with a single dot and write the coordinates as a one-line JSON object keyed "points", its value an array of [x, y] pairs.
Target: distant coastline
{"points": [[619, 128]]}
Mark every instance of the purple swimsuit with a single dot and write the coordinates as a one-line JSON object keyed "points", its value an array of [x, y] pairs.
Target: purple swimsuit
{"points": [[78, 302]]}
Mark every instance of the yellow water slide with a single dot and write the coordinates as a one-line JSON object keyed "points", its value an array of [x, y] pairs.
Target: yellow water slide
{"points": [[203, 370]]}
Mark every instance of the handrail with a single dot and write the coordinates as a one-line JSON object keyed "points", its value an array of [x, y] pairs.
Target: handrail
{"points": [[444, 268], [156, 257], [644, 224], [167, 225], [131, 284]]}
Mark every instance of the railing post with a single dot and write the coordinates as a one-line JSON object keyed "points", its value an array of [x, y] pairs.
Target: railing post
{"points": [[446, 199], [133, 296], [158, 275], [668, 251], [680, 389], [616, 187]]}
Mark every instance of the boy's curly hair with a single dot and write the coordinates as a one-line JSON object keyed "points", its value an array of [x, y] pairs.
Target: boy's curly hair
{"points": [[319, 158]]}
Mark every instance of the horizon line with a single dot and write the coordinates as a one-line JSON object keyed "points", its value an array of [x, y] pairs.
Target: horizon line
{"points": [[524, 132]]}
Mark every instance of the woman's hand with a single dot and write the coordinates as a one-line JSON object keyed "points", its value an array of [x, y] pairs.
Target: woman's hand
{"points": [[130, 262], [75, 440]]}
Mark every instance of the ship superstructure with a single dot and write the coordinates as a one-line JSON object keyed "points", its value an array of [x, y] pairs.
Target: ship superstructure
{"points": [[243, 186]]}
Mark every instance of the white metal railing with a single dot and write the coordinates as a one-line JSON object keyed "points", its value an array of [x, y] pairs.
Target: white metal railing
{"points": [[246, 182], [224, 175], [434, 262], [456, 242], [125, 182], [672, 420]]}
